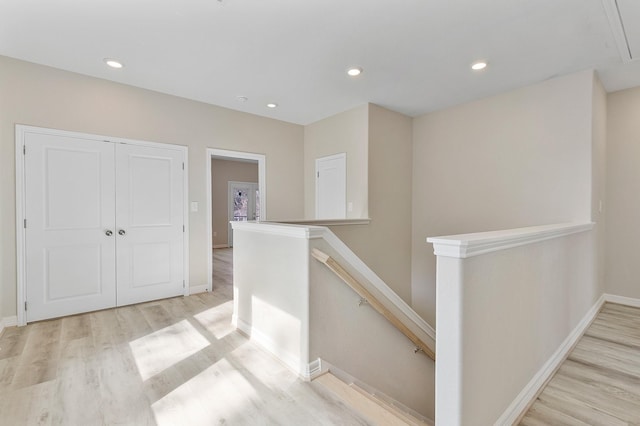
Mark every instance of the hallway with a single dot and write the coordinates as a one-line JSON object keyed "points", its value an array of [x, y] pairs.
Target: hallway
{"points": [[223, 272], [169, 362]]}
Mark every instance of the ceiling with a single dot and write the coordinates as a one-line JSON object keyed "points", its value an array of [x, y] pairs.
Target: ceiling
{"points": [[416, 54]]}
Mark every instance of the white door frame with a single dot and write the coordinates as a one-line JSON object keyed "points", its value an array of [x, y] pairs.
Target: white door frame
{"points": [[21, 131], [262, 187]]}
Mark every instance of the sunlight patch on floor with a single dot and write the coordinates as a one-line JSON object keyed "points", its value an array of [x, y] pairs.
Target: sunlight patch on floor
{"points": [[264, 366], [223, 393], [217, 320], [164, 348]]}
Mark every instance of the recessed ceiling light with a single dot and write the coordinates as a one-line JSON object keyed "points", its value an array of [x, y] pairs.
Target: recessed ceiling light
{"points": [[354, 72], [272, 105], [113, 63], [479, 65]]}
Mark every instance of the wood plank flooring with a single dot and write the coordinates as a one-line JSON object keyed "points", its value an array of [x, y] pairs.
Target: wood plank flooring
{"points": [[599, 383], [170, 362]]}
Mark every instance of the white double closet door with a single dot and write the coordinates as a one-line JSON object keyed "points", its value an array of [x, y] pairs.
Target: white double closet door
{"points": [[104, 224]]}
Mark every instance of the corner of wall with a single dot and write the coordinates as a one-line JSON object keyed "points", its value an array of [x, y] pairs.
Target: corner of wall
{"points": [[622, 206], [599, 177]]}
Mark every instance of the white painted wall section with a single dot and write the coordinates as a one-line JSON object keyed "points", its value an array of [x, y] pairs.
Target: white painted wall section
{"points": [[271, 288], [507, 301]]}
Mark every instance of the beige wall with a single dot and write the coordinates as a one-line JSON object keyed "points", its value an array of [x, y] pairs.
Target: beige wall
{"points": [[518, 159], [385, 244], [623, 193], [223, 171], [344, 132], [361, 342], [42, 96]]}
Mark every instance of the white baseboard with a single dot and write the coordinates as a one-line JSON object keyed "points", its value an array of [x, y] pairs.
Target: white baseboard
{"points": [[221, 246], [195, 289], [347, 378], [313, 370], [531, 390], [621, 300], [290, 360], [8, 322]]}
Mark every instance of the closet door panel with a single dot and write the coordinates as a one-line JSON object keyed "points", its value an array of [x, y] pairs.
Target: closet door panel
{"points": [[150, 223], [70, 209]]}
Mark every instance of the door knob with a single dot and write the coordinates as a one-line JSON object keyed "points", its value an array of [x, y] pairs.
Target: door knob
{"points": [[121, 232], [108, 233]]}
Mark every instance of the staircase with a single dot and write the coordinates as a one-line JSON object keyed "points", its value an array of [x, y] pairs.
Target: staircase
{"points": [[303, 295], [375, 410]]}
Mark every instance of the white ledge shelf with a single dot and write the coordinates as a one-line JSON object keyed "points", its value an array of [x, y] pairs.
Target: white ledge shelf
{"points": [[327, 222], [468, 245]]}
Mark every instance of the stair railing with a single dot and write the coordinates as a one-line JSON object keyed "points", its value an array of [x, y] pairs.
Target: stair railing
{"points": [[356, 286]]}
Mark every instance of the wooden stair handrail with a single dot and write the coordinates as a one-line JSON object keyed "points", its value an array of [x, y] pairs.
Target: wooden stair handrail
{"points": [[373, 301]]}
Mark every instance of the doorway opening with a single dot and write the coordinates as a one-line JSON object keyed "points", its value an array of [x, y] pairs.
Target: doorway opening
{"points": [[236, 190]]}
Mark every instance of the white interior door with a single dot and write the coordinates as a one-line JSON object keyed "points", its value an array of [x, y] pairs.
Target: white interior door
{"points": [[150, 223], [331, 187], [244, 204], [70, 219]]}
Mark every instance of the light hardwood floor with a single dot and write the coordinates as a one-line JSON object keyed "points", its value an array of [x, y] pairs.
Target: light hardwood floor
{"points": [[170, 362], [599, 383]]}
